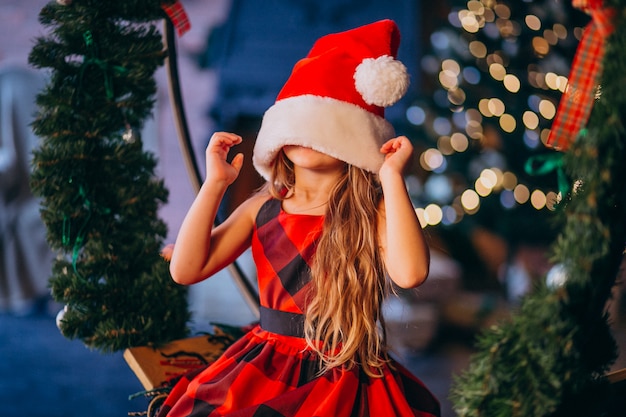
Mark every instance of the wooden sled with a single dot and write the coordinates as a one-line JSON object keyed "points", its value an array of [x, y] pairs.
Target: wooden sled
{"points": [[158, 369]]}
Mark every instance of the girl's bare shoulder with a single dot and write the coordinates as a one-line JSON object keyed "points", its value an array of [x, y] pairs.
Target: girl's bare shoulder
{"points": [[251, 206]]}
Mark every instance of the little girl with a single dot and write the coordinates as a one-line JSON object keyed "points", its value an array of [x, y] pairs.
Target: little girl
{"points": [[330, 231]]}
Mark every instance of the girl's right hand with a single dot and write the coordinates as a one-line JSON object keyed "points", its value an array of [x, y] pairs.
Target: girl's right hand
{"points": [[218, 170]]}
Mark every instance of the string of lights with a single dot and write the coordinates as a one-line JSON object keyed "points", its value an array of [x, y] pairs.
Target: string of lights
{"points": [[500, 71]]}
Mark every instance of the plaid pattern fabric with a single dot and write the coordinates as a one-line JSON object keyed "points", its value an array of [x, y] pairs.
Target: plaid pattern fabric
{"points": [[577, 100], [268, 374], [283, 246], [176, 13]]}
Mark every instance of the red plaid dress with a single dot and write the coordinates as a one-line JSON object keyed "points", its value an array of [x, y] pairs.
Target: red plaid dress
{"points": [[270, 372]]}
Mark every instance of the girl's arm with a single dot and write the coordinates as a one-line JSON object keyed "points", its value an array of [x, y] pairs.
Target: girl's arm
{"points": [[405, 251], [201, 250]]}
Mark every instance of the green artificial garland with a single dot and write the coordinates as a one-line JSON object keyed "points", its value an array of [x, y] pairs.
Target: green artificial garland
{"points": [[551, 357], [99, 193]]}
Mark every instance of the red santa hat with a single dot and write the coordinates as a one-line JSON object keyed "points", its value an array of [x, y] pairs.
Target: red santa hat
{"points": [[334, 99]]}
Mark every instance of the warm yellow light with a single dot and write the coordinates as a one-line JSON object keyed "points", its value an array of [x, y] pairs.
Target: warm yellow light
{"points": [[538, 199], [541, 46], [552, 199], [431, 159], [544, 136], [512, 83], [499, 177], [494, 59], [489, 177], [521, 193], [470, 200], [533, 22], [483, 107], [488, 14], [448, 79], [530, 119], [578, 32], [509, 180], [452, 66], [560, 30], [547, 109], [456, 96], [552, 80], [481, 189], [433, 214], [476, 7], [496, 107], [550, 36], [444, 145], [507, 123], [478, 49], [502, 11], [469, 21], [562, 83], [497, 71], [459, 142]]}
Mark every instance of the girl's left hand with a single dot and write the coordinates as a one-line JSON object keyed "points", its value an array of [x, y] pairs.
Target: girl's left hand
{"points": [[398, 152]]}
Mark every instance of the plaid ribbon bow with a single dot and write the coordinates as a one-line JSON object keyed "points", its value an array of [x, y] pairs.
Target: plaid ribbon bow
{"points": [[577, 100], [176, 13]]}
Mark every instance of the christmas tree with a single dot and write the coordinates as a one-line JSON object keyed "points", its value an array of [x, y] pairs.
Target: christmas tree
{"points": [[550, 358], [493, 80], [99, 192]]}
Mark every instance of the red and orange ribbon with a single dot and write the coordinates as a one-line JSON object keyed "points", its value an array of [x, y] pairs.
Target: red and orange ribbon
{"points": [[578, 98]]}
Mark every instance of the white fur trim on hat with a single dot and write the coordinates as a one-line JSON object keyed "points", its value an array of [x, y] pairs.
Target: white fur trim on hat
{"points": [[381, 81], [337, 128]]}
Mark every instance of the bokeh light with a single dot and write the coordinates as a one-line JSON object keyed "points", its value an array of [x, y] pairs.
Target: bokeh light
{"points": [[547, 109], [532, 22], [512, 83], [521, 193], [470, 201], [541, 46], [538, 199], [433, 214], [431, 159], [508, 123], [459, 142], [530, 119], [416, 115], [459, 81]]}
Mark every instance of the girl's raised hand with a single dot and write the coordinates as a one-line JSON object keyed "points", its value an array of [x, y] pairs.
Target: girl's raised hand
{"points": [[218, 170], [398, 152]]}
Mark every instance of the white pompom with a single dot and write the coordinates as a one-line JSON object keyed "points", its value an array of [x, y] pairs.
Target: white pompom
{"points": [[381, 81]]}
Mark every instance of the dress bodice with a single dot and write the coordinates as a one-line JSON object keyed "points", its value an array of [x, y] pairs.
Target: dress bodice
{"points": [[283, 246]]}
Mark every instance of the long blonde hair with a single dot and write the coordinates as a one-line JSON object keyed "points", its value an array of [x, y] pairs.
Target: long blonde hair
{"points": [[348, 275]]}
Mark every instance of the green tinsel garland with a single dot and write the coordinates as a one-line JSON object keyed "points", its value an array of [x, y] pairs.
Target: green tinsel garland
{"points": [[99, 193], [550, 358]]}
